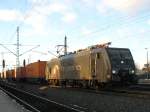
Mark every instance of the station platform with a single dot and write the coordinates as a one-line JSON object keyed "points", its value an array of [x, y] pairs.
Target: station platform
{"points": [[7, 104]]}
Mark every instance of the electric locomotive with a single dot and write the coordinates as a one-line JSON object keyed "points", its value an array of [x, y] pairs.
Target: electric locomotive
{"points": [[94, 66]]}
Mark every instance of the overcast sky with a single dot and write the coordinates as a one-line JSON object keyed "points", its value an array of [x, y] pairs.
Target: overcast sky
{"points": [[125, 23]]}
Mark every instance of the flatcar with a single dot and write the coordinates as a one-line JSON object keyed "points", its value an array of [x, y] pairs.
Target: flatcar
{"points": [[95, 66]]}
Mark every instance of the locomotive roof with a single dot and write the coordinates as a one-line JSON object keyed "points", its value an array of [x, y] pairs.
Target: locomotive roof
{"points": [[88, 51], [82, 52]]}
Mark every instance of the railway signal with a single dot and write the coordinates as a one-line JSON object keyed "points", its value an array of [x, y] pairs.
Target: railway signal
{"points": [[3, 63], [24, 63]]}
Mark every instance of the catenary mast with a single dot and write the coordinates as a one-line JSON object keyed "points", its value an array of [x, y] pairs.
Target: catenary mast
{"points": [[65, 46], [17, 53]]}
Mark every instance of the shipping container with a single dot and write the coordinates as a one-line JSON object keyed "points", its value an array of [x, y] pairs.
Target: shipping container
{"points": [[36, 71], [21, 73]]}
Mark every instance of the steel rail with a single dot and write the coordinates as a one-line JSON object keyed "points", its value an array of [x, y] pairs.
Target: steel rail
{"points": [[43, 100], [20, 101]]}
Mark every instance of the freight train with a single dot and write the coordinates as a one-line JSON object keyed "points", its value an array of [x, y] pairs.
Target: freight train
{"points": [[33, 72], [94, 66]]}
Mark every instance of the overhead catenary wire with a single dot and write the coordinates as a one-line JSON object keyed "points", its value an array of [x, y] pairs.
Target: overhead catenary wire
{"points": [[17, 54], [106, 27], [120, 24], [98, 30], [127, 22], [20, 24], [38, 3]]}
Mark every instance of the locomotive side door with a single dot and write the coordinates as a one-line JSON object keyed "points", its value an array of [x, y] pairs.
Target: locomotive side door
{"points": [[95, 64], [98, 67]]}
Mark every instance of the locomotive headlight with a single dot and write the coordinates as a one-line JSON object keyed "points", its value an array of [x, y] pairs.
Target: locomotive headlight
{"points": [[132, 71], [113, 71], [122, 62]]}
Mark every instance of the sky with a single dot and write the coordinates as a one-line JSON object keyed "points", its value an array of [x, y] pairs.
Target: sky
{"points": [[125, 23]]}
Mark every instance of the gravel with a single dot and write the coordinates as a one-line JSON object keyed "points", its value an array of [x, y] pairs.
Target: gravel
{"points": [[91, 102]]}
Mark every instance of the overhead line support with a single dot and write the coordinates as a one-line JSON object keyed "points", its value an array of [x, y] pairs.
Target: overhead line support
{"points": [[17, 57]]}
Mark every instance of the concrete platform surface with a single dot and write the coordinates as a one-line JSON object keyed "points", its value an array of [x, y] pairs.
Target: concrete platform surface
{"points": [[7, 104]]}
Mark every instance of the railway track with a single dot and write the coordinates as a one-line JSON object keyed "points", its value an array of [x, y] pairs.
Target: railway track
{"points": [[81, 99], [138, 91], [36, 103], [130, 93]]}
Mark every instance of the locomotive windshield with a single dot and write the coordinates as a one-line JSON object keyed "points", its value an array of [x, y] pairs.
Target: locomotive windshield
{"points": [[120, 58]]}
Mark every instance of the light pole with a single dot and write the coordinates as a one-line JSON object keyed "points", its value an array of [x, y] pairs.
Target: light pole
{"points": [[147, 65]]}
